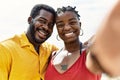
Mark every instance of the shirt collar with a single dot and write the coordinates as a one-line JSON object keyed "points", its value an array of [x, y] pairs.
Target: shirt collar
{"points": [[24, 40]]}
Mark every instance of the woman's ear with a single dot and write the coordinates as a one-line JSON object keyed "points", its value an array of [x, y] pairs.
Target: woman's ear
{"points": [[29, 20], [80, 24]]}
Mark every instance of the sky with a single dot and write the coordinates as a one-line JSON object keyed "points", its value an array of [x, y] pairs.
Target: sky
{"points": [[14, 15]]}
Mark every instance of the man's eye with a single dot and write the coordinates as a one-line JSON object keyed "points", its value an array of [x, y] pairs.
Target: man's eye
{"points": [[51, 25], [42, 21]]}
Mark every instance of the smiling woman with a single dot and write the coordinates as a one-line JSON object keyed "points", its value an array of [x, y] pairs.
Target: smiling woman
{"points": [[15, 12], [72, 57]]}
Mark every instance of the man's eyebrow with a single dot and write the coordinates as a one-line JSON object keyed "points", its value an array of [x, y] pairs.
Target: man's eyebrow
{"points": [[43, 18]]}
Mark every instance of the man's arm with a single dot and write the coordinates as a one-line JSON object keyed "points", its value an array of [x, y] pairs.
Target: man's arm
{"points": [[4, 63]]}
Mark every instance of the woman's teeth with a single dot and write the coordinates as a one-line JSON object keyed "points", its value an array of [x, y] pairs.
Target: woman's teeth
{"points": [[67, 34]]}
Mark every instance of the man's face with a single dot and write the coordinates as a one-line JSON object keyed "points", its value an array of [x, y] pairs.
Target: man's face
{"points": [[41, 27]]}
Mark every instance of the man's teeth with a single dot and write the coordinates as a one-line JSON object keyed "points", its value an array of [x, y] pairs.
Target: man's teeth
{"points": [[43, 33]]}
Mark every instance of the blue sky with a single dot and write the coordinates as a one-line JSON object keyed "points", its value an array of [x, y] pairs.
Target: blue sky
{"points": [[14, 14]]}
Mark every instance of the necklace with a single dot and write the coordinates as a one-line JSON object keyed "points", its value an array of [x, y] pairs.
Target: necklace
{"points": [[64, 66]]}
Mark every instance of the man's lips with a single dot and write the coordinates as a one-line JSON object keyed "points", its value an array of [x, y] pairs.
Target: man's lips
{"points": [[42, 33]]}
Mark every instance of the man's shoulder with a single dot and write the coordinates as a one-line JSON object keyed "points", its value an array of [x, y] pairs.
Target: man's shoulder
{"points": [[49, 46], [10, 41]]}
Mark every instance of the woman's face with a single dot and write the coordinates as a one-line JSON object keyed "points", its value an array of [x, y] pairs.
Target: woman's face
{"points": [[68, 26]]}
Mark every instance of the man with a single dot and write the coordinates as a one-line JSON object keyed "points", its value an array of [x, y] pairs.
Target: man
{"points": [[25, 56]]}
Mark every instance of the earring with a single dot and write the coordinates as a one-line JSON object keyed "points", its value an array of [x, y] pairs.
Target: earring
{"points": [[57, 37], [81, 32]]}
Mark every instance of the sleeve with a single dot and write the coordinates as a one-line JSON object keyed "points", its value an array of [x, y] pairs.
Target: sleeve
{"points": [[4, 63]]}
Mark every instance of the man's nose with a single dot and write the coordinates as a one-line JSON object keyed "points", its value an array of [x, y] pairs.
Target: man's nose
{"points": [[45, 26]]}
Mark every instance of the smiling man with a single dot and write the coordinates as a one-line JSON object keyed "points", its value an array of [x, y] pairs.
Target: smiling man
{"points": [[25, 56]]}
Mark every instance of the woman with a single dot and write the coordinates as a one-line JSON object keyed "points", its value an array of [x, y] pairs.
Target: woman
{"points": [[68, 63]]}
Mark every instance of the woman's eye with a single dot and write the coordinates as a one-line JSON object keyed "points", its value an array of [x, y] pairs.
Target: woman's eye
{"points": [[72, 23], [60, 25]]}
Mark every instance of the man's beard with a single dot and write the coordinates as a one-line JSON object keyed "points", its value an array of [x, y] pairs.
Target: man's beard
{"points": [[32, 33]]}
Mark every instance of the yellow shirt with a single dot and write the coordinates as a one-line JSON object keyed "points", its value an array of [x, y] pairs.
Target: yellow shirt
{"points": [[20, 61]]}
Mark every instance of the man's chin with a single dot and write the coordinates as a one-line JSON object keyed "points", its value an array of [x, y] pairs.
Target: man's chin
{"points": [[40, 41]]}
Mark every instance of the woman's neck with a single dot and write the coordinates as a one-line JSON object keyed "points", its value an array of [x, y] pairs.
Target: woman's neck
{"points": [[72, 46]]}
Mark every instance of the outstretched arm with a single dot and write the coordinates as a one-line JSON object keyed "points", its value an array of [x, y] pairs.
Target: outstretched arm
{"points": [[105, 49]]}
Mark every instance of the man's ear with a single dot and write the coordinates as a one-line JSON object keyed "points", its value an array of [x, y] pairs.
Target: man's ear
{"points": [[29, 20]]}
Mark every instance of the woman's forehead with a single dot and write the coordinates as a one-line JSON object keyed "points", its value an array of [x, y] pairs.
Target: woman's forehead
{"points": [[66, 15]]}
